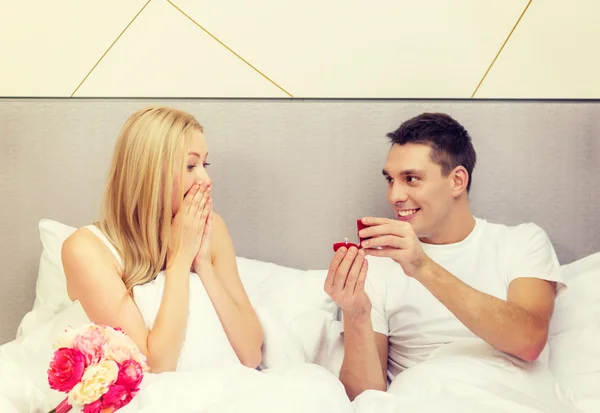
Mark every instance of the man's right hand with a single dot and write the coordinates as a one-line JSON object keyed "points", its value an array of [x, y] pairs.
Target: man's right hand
{"points": [[345, 282]]}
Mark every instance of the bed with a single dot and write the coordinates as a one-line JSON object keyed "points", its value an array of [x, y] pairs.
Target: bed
{"points": [[291, 177]]}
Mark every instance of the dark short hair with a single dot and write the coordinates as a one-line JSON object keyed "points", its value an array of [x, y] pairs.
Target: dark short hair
{"points": [[449, 141]]}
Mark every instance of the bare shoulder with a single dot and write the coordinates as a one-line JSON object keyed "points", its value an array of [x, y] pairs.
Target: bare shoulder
{"points": [[219, 224], [84, 256], [221, 243], [80, 245], [84, 245], [220, 232]]}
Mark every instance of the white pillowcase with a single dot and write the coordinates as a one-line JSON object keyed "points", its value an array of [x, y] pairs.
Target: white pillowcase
{"points": [[579, 307], [283, 298], [575, 333], [286, 289], [51, 289]]}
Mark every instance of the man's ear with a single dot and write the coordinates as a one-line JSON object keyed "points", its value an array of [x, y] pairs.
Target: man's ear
{"points": [[459, 179]]}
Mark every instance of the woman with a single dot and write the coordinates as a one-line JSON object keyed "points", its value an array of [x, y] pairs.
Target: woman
{"points": [[158, 217]]}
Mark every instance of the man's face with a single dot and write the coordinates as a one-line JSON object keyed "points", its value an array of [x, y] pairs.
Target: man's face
{"points": [[417, 191]]}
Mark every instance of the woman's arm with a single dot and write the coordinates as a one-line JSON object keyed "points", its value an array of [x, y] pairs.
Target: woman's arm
{"points": [[224, 287], [93, 279]]}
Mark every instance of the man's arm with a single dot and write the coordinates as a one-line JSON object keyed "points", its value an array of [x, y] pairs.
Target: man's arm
{"points": [[365, 357], [365, 352], [518, 326]]}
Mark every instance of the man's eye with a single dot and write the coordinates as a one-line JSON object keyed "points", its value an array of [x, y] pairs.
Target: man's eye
{"points": [[412, 179], [389, 179]]}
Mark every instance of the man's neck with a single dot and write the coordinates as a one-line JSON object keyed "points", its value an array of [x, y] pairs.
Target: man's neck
{"points": [[457, 227]]}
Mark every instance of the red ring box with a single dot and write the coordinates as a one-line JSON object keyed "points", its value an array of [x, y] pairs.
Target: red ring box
{"points": [[359, 226], [339, 245]]}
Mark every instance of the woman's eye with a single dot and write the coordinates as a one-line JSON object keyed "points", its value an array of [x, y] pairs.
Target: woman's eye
{"points": [[191, 167], [206, 164]]}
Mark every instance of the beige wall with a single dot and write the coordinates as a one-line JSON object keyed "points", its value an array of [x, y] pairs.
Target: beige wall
{"points": [[313, 48]]}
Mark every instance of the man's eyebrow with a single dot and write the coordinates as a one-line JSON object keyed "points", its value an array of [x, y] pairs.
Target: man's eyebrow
{"points": [[411, 172], [405, 172]]}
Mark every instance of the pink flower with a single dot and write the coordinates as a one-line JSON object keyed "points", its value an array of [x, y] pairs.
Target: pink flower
{"points": [[118, 345], [130, 375], [95, 407], [116, 397], [95, 382], [92, 343], [121, 347], [66, 369], [66, 338]]}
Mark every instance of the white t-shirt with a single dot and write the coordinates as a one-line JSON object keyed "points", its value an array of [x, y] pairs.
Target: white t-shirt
{"points": [[488, 260]]}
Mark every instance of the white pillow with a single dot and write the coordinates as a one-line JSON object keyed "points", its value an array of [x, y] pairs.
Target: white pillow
{"points": [[287, 290], [51, 289], [296, 314], [579, 306], [575, 332], [290, 290], [280, 346]]}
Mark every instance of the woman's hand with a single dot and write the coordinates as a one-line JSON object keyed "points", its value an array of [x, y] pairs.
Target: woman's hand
{"points": [[190, 224], [203, 257]]}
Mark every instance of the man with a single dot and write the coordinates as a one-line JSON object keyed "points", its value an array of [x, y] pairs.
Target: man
{"points": [[447, 276]]}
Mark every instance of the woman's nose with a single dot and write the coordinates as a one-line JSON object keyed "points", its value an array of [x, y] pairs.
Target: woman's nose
{"points": [[204, 180], [202, 177]]}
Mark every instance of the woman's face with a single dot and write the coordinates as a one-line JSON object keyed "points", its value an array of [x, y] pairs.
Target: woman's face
{"points": [[195, 168]]}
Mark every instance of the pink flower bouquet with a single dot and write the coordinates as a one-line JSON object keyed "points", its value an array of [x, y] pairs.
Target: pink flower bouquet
{"points": [[99, 367]]}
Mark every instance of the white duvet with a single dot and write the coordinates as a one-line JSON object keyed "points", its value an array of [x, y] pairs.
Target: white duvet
{"points": [[462, 378], [302, 356]]}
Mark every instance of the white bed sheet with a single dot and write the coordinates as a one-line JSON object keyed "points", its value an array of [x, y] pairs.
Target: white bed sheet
{"points": [[302, 356], [461, 378]]}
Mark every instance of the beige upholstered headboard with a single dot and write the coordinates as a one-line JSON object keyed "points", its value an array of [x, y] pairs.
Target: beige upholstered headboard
{"points": [[291, 176]]}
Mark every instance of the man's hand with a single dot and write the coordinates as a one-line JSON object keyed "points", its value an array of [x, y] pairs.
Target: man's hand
{"points": [[365, 353], [345, 282], [518, 326], [396, 240]]}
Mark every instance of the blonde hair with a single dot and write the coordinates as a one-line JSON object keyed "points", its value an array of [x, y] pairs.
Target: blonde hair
{"points": [[137, 206]]}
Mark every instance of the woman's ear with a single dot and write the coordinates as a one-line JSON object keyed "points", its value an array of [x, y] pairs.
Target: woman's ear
{"points": [[459, 179]]}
